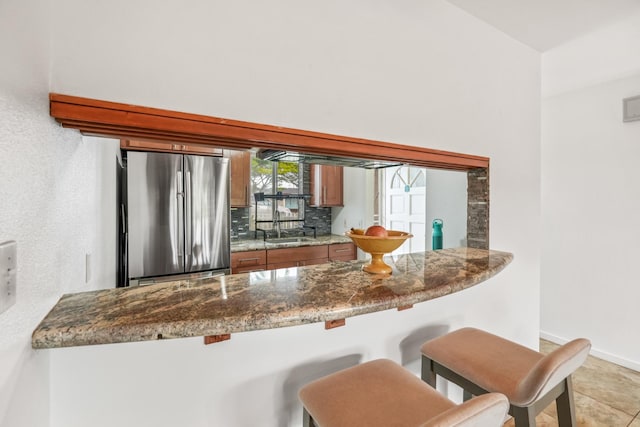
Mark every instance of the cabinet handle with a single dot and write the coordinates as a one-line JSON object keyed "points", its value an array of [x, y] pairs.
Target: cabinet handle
{"points": [[342, 250], [248, 259], [324, 194]]}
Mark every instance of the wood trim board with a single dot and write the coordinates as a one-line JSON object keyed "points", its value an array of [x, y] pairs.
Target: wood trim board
{"points": [[117, 120]]}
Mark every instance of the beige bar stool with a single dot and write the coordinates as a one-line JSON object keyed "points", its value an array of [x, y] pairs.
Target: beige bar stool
{"points": [[480, 362], [383, 393]]}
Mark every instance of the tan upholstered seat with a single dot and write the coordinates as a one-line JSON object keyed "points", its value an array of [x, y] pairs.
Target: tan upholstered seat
{"points": [[383, 393], [480, 362]]}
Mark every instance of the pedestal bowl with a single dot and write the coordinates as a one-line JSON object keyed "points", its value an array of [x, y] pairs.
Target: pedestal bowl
{"points": [[377, 247]]}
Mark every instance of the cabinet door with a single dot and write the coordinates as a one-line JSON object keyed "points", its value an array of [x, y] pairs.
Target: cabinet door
{"points": [[242, 262], [240, 177], [342, 252], [294, 255], [326, 185]]}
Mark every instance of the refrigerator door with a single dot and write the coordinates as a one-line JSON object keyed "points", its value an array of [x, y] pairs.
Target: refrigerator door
{"points": [[207, 213], [155, 208]]}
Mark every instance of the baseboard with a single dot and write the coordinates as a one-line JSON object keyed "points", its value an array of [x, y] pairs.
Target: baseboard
{"points": [[595, 352]]}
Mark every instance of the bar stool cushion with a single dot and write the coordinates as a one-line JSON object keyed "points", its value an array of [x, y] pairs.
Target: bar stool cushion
{"points": [[482, 411], [383, 393], [500, 365]]}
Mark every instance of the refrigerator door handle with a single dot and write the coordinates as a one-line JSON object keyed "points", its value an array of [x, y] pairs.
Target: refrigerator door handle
{"points": [[180, 206], [189, 219]]}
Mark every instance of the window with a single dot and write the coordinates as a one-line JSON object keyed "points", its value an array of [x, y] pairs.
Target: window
{"points": [[271, 178]]}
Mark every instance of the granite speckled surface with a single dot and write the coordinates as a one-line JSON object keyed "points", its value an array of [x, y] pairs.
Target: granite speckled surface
{"points": [[261, 300]]}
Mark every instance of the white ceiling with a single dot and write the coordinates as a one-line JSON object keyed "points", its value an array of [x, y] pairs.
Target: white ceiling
{"points": [[545, 24]]}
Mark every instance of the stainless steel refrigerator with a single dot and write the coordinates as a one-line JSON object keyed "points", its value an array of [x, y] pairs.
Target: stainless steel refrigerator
{"points": [[177, 216]]}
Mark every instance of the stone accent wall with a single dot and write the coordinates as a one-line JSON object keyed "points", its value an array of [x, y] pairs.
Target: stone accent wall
{"points": [[478, 208]]}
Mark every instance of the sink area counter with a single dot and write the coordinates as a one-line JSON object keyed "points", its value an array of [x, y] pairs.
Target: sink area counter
{"points": [[261, 300], [286, 242]]}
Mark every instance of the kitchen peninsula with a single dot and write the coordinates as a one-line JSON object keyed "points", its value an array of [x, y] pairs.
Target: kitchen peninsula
{"points": [[261, 300]]}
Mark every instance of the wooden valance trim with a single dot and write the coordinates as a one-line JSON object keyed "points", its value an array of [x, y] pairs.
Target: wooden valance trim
{"points": [[116, 120]]}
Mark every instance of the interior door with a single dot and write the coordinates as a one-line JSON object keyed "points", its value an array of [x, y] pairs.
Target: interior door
{"points": [[406, 205], [207, 213], [154, 206]]}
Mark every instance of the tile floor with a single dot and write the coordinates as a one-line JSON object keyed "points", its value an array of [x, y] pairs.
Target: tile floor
{"points": [[605, 395]]}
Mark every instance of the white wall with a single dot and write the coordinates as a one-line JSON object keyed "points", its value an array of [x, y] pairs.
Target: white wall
{"points": [[447, 200], [51, 204], [590, 193], [357, 211], [424, 74]]}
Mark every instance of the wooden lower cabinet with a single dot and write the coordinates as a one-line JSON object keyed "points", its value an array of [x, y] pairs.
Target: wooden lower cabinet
{"points": [[342, 252], [296, 257], [272, 259], [245, 262]]}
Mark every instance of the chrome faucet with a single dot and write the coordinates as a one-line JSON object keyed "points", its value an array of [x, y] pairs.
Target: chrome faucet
{"points": [[276, 221]]}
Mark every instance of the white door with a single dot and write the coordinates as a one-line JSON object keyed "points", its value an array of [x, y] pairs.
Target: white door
{"points": [[405, 205]]}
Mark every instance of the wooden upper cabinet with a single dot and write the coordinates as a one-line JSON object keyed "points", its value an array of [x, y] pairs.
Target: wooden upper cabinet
{"points": [[240, 190], [169, 147], [326, 184]]}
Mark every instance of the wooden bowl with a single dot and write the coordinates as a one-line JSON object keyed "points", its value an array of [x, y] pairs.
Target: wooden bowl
{"points": [[378, 247]]}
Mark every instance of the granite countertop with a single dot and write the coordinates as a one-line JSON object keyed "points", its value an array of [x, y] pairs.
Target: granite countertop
{"points": [[260, 244], [261, 300]]}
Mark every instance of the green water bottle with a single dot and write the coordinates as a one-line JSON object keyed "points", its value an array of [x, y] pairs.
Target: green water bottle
{"points": [[436, 239]]}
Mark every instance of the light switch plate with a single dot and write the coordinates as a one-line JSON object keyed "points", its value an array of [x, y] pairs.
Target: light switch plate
{"points": [[8, 270]]}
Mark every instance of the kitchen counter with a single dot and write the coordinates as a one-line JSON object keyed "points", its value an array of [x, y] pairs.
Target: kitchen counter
{"points": [[261, 300], [260, 244]]}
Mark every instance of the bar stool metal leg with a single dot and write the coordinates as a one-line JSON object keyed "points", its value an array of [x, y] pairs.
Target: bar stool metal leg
{"points": [[565, 406], [307, 421]]}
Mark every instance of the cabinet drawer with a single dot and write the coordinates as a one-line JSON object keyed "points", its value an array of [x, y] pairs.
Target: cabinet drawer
{"points": [[248, 261], [342, 251], [276, 256]]}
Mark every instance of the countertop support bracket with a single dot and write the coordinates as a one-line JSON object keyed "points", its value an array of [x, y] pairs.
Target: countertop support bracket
{"points": [[212, 339], [330, 324]]}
